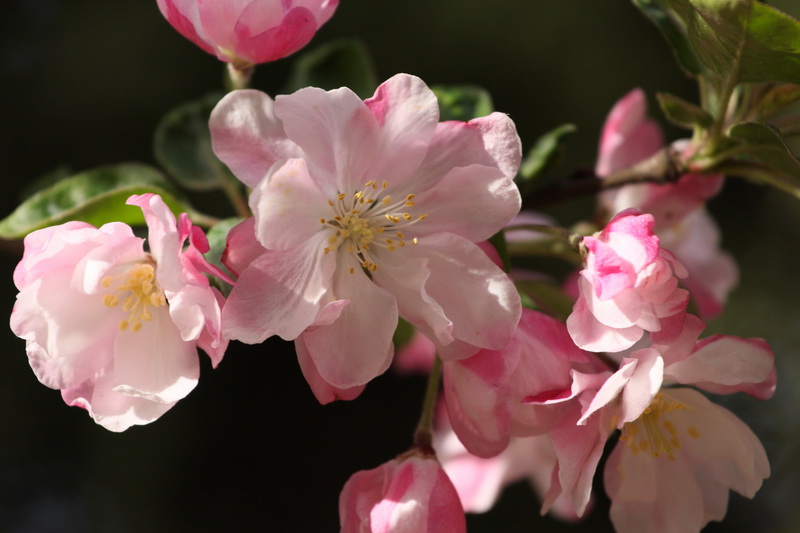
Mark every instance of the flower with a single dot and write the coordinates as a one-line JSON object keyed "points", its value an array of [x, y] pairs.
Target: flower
{"points": [[245, 32], [680, 218], [365, 211], [678, 454], [116, 329], [411, 494], [628, 285]]}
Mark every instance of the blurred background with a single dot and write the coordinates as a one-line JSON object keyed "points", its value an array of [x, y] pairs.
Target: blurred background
{"points": [[84, 83]]}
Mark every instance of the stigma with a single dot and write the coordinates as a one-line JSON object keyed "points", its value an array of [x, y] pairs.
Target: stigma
{"points": [[137, 291], [370, 221], [654, 432]]}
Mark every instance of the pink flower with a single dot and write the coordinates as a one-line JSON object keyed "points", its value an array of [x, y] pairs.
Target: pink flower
{"points": [[411, 494], [116, 328], [248, 31], [678, 454], [363, 211], [686, 230], [627, 287]]}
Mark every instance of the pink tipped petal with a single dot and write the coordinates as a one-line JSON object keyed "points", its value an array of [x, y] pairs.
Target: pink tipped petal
{"points": [[592, 335], [280, 293], [338, 134], [242, 247], [408, 113], [358, 345], [247, 135], [184, 17], [323, 391], [257, 44], [288, 207], [725, 360], [644, 384]]}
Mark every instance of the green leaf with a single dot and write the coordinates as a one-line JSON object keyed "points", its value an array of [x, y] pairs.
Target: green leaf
{"points": [[546, 154], [683, 113], [344, 63], [462, 102], [96, 196], [742, 40], [769, 159], [776, 98], [182, 145], [673, 32], [403, 334], [44, 181]]}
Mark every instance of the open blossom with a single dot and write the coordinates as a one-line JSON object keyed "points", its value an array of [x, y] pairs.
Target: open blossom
{"points": [[679, 454], [686, 229], [248, 31], [365, 211], [628, 285], [411, 494], [112, 326]]}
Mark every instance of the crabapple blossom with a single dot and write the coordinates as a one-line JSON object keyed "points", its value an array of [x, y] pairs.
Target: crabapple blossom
{"points": [[410, 494], [115, 328], [628, 285], [681, 221], [365, 211], [245, 32], [679, 454]]}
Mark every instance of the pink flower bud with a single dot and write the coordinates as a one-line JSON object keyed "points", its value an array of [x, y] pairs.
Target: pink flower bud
{"points": [[246, 32]]}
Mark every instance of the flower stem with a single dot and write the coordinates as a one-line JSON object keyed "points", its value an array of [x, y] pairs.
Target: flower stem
{"points": [[423, 436]]}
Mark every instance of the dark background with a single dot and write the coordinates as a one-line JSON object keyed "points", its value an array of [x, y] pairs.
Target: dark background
{"points": [[84, 83]]}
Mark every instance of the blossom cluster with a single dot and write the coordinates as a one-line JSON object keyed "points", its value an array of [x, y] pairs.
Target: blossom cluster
{"points": [[369, 212]]}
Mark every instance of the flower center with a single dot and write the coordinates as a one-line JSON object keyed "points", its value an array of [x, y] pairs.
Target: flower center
{"points": [[137, 290], [370, 220], [653, 432]]}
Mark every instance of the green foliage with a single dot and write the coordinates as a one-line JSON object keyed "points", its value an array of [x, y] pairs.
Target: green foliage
{"points": [[775, 98], [742, 40], [673, 32], [95, 196], [344, 63], [767, 157], [683, 113], [462, 102], [547, 154], [182, 145]]}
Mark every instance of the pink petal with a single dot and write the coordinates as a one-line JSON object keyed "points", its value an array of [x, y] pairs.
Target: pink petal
{"points": [[184, 17], [247, 135], [323, 391], [257, 44]]}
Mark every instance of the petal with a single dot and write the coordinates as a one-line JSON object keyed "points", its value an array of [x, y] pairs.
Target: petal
{"points": [[592, 335], [643, 386], [323, 391], [733, 362], [474, 293], [485, 203], [242, 247], [280, 293], [155, 363], [293, 32], [358, 345], [408, 114], [288, 207], [338, 134], [184, 17], [247, 136]]}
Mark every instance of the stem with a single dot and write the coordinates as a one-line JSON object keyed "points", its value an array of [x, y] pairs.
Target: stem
{"points": [[237, 76], [202, 220], [423, 436], [239, 203]]}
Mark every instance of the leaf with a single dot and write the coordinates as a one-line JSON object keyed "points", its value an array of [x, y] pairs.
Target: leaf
{"points": [[776, 164], [344, 63], [683, 113], [776, 98], [673, 32], [462, 102], [96, 196], [182, 145], [545, 155], [742, 40]]}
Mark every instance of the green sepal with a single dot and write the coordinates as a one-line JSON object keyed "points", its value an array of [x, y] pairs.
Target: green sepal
{"points": [[343, 63], [682, 113], [95, 196], [182, 145], [462, 102]]}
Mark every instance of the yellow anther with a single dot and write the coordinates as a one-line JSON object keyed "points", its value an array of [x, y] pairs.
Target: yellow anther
{"points": [[692, 431], [110, 300], [107, 281], [341, 196], [387, 199]]}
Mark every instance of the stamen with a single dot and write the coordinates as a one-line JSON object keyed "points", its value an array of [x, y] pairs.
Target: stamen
{"points": [[652, 429], [140, 291]]}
